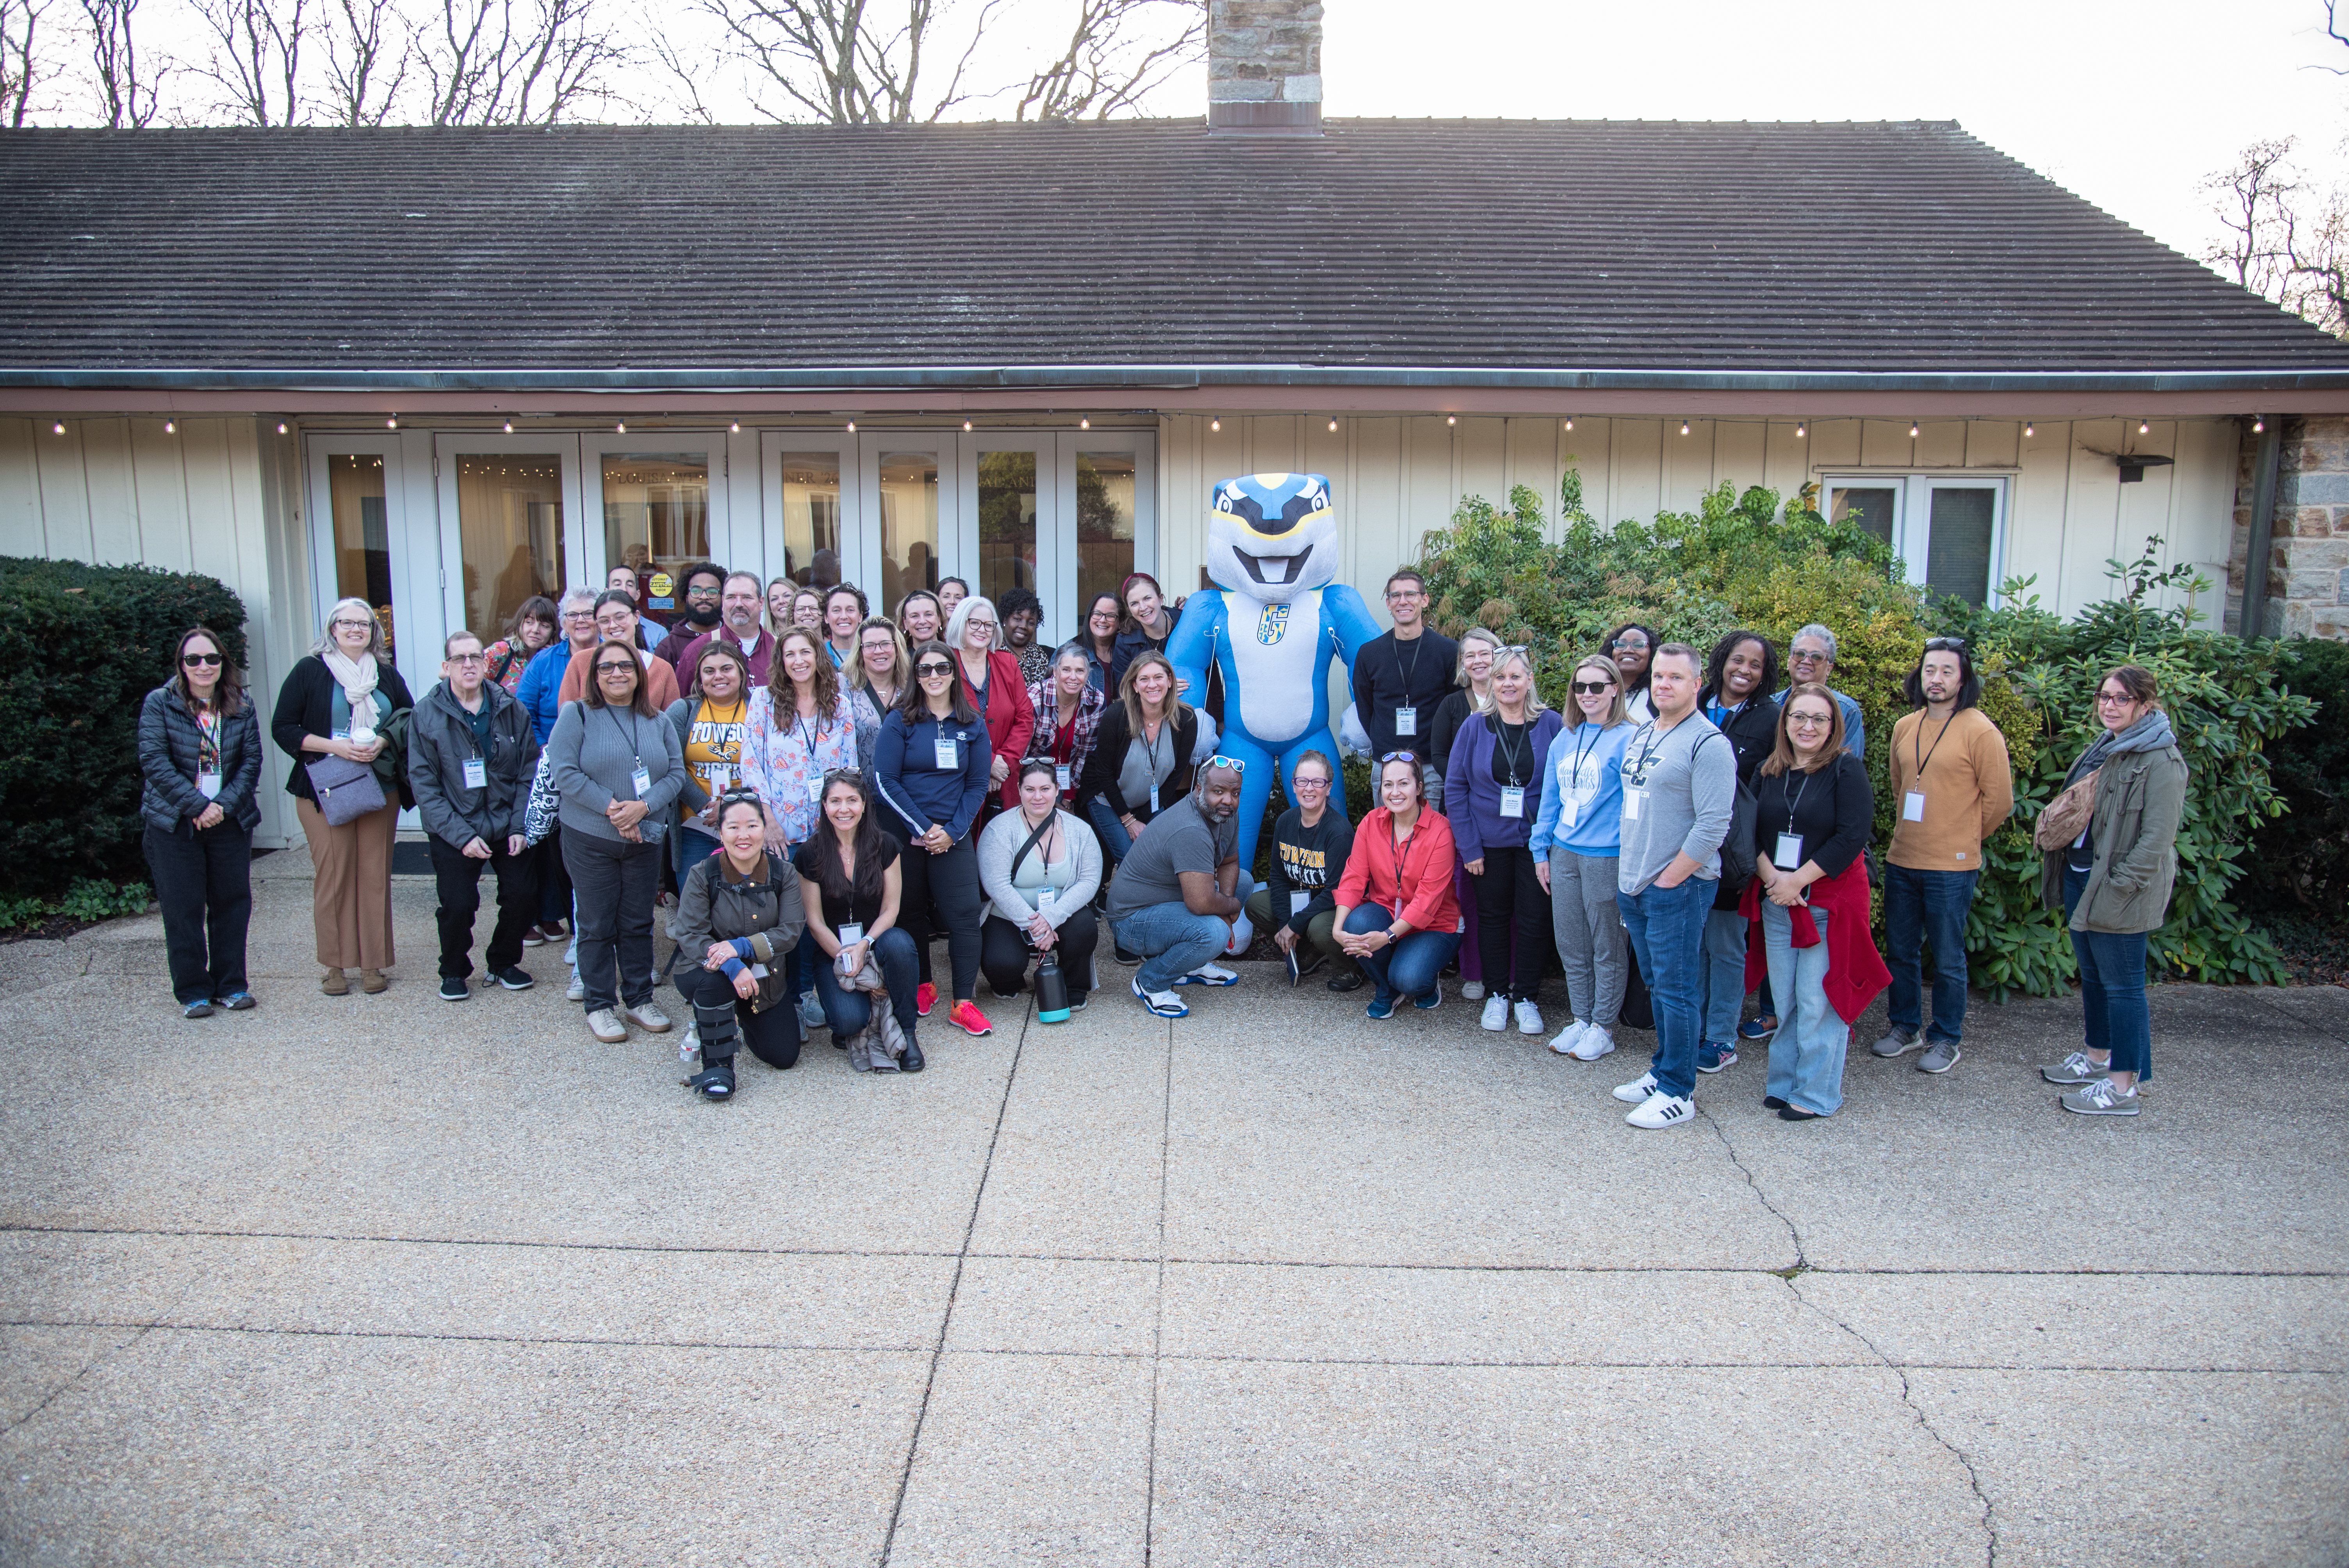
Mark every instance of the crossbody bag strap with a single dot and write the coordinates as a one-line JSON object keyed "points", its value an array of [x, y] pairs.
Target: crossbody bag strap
{"points": [[1033, 838]]}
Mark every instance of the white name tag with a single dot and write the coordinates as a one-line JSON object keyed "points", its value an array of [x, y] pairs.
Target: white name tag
{"points": [[1570, 812], [642, 781], [1912, 806], [948, 758], [477, 773], [758, 972], [1297, 901], [1789, 854], [851, 932], [1406, 721], [721, 778], [1044, 899], [208, 785], [1061, 776], [1633, 801], [1154, 799], [1513, 802], [815, 790]]}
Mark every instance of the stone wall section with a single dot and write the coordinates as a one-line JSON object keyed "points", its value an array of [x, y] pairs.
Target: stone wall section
{"points": [[2308, 567], [1264, 51]]}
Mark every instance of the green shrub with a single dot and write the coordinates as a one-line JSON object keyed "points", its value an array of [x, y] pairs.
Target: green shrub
{"points": [[82, 647], [2300, 862], [88, 899]]}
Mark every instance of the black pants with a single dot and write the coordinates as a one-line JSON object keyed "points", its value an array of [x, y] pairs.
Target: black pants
{"points": [[205, 882], [615, 881], [1513, 923], [943, 889], [725, 1019], [458, 877], [1004, 953], [554, 877]]}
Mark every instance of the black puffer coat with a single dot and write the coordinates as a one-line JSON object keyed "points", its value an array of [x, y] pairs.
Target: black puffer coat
{"points": [[168, 745]]}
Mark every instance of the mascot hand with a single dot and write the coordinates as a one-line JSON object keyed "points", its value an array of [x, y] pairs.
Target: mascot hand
{"points": [[1351, 735]]}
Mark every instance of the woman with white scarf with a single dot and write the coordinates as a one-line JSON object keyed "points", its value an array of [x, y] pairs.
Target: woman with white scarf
{"points": [[336, 703]]}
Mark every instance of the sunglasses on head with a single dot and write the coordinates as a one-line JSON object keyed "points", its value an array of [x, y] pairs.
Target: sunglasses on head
{"points": [[1386, 758], [1234, 763], [200, 659]]}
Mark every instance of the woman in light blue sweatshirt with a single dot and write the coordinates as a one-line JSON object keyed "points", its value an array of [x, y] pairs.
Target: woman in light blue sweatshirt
{"points": [[1574, 843]]}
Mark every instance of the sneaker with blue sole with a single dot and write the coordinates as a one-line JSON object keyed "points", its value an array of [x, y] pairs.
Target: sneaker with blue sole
{"points": [[1209, 974], [1760, 1028], [1711, 1056], [1165, 1003]]}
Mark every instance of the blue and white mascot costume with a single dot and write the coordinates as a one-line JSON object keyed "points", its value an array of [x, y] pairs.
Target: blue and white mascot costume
{"points": [[1279, 616]]}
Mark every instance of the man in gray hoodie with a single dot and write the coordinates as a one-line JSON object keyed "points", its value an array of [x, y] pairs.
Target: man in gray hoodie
{"points": [[471, 753], [1680, 788]]}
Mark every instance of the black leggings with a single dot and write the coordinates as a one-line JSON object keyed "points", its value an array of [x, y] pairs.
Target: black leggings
{"points": [[725, 1019], [1513, 923], [950, 883], [1004, 953]]}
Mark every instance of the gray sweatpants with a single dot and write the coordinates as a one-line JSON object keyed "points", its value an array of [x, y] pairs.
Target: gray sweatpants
{"points": [[1589, 926]]}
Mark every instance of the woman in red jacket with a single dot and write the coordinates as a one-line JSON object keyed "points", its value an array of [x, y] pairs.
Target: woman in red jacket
{"points": [[995, 686], [1397, 914]]}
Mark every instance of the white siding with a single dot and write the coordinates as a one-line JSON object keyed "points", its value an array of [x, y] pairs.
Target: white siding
{"points": [[116, 492]]}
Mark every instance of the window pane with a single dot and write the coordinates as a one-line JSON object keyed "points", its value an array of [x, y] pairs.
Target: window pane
{"points": [[909, 524], [655, 514], [1104, 523], [1007, 523], [362, 532], [1874, 510], [812, 518], [509, 532], [1957, 552]]}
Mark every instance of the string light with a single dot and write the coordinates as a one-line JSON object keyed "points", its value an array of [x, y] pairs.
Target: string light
{"points": [[1084, 424], [2257, 425], [1333, 424], [2143, 427], [59, 427], [735, 429], [1569, 424], [281, 427], [622, 427], [1912, 430], [852, 427], [1451, 418], [1215, 424], [1683, 426], [509, 427], [2029, 429], [1799, 431], [966, 424], [392, 423]]}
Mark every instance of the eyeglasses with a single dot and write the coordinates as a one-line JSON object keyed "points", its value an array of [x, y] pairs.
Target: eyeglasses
{"points": [[1397, 756], [2116, 699], [975, 620], [192, 660], [616, 666], [1626, 646], [1394, 593], [1811, 657], [479, 659], [929, 669], [1808, 721], [701, 593], [569, 615], [351, 625], [1234, 763], [1592, 688], [1945, 644], [1310, 781]]}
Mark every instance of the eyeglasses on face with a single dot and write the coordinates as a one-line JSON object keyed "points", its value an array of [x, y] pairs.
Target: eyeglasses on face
{"points": [[929, 668], [1810, 656], [193, 660], [701, 593], [2117, 698], [471, 659], [1310, 781], [347, 625], [1808, 721], [615, 665], [1394, 593], [1629, 646], [1592, 688]]}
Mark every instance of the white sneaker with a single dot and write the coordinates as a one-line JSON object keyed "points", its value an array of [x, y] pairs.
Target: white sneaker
{"points": [[1529, 1018], [607, 1027], [1663, 1109], [1497, 1012], [1209, 974], [1568, 1038], [577, 990], [649, 1016], [571, 953], [1471, 990], [1637, 1091], [1596, 1043]]}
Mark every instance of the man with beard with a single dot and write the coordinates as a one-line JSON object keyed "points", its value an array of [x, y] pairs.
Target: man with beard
{"points": [[698, 593], [739, 602], [1180, 896]]}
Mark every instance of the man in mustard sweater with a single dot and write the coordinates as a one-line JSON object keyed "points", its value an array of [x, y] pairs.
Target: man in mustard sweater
{"points": [[1955, 786]]}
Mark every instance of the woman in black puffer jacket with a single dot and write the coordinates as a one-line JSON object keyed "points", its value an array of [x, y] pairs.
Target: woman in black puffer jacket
{"points": [[738, 916], [200, 751]]}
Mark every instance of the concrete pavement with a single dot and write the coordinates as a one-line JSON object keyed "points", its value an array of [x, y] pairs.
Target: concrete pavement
{"points": [[386, 1279]]}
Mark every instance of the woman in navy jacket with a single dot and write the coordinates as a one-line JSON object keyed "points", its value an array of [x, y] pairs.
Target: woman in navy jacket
{"points": [[1492, 790], [932, 767], [200, 750]]}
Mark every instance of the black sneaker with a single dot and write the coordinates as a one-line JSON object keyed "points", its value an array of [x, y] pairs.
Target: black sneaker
{"points": [[453, 989], [1350, 980], [1122, 956], [512, 977]]}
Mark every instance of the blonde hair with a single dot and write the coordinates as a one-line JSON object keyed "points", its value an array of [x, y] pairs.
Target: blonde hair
{"points": [[859, 678], [1572, 711], [1535, 707]]}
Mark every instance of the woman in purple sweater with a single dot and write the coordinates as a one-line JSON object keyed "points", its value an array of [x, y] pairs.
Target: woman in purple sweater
{"points": [[1492, 786]]}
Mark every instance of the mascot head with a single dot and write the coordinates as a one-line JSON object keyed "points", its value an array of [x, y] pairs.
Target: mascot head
{"points": [[1272, 536]]}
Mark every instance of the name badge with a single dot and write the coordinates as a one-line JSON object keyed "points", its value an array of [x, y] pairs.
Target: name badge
{"points": [[477, 773], [1570, 812], [852, 932], [721, 778], [208, 785], [1297, 901], [1789, 854], [948, 758], [1912, 806], [758, 972], [815, 790], [1154, 799], [1061, 776], [1633, 801], [642, 781], [1406, 721], [1513, 802], [1044, 898]]}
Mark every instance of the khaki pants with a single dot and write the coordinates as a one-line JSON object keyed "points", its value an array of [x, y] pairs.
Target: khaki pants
{"points": [[351, 905]]}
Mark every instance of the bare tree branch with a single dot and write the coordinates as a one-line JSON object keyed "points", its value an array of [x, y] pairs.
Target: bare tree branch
{"points": [[687, 78], [125, 87], [518, 62], [366, 66], [25, 67], [1112, 61], [2254, 212], [256, 57]]}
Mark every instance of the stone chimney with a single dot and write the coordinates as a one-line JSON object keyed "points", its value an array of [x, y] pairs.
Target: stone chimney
{"points": [[1264, 66]]}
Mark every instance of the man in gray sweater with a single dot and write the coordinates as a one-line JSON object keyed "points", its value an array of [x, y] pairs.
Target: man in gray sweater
{"points": [[1679, 787]]}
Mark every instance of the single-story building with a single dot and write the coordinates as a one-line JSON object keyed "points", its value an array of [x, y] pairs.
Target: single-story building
{"points": [[444, 369]]}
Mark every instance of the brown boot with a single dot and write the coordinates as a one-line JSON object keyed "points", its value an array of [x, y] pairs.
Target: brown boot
{"points": [[372, 981], [335, 984]]}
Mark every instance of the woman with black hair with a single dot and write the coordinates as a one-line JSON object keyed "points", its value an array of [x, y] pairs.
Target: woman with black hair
{"points": [[1740, 679], [533, 628], [1041, 870], [853, 886], [200, 749], [740, 912], [1631, 645], [931, 768], [1097, 637]]}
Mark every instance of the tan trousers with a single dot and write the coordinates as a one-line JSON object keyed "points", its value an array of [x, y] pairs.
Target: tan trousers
{"points": [[351, 906]]}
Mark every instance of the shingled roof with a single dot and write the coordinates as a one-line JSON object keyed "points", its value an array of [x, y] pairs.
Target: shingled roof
{"points": [[1383, 246]]}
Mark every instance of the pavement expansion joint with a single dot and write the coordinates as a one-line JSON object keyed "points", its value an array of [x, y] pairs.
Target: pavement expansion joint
{"points": [[1158, 1293]]}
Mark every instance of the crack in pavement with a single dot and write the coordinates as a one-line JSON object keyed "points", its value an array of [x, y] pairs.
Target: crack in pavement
{"points": [[1794, 1231], [160, 1320]]}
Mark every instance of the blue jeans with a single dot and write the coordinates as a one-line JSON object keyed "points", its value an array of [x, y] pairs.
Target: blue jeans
{"points": [[1411, 967], [1722, 995], [689, 847], [1667, 930], [1114, 839], [2112, 987], [1921, 907], [1806, 1053], [847, 1012], [1172, 940]]}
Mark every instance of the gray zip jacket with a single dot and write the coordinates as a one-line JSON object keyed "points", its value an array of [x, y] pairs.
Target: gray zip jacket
{"points": [[440, 744]]}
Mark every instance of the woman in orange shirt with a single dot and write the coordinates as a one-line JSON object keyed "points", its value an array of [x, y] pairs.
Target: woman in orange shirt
{"points": [[1397, 914]]}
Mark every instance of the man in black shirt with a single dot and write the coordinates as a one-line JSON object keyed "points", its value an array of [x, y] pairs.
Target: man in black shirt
{"points": [[1401, 676], [1298, 904]]}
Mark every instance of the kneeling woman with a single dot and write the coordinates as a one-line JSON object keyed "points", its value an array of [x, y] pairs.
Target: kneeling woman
{"points": [[739, 910], [1040, 869], [852, 881], [1397, 914]]}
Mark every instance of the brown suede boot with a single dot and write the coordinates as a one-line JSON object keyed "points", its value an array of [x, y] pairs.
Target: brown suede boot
{"points": [[372, 981], [336, 983]]}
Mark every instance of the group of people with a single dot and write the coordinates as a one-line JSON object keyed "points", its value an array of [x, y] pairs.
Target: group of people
{"points": [[818, 790]]}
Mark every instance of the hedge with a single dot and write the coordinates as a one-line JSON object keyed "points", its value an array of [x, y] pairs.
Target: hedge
{"points": [[82, 647]]}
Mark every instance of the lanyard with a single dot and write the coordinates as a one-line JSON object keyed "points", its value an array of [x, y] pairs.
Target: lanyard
{"points": [[1921, 751], [1507, 746], [1793, 798], [1150, 748], [1655, 740], [1402, 852], [1410, 674], [628, 735], [1582, 751], [208, 729]]}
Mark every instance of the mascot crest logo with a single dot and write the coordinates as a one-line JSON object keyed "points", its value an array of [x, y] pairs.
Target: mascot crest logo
{"points": [[1270, 537]]}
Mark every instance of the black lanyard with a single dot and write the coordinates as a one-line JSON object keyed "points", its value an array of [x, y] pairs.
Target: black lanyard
{"points": [[1919, 750], [1582, 752], [628, 735], [1411, 674], [1508, 747]]}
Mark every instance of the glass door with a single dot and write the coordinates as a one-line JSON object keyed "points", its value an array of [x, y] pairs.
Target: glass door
{"points": [[810, 490], [653, 494], [911, 513], [369, 542], [511, 524], [1010, 532], [1109, 481]]}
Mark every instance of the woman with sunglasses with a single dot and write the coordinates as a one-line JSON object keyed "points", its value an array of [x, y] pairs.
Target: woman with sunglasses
{"points": [[1491, 793], [346, 700], [931, 770], [1473, 676], [994, 687], [200, 751], [1575, 844], [853, 885], [1040, 869], [1631, 645], [1396, 912], [737, 912], [617, 768]]}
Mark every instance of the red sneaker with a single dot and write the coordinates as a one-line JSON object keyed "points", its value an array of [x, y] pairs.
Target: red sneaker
{"points": [[926, 996], [966, 1017]]}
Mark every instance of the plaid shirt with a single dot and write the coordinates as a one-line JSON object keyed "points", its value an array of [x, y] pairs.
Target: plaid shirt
{"points": [[1090, 709]]}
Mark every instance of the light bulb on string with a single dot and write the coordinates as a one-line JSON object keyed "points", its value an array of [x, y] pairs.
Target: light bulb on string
{"points": [[1084, 424], [2029, 429], [2257, 425], [1569, 424], [171, 429], [852, 427], [1799, 431], [966, 424], [1683, 426], [1451, 418], [392, 423], [735, 429], [509, 427], [621, 426], [281, 427], [2143, 427], [1334, 425], [1216, 425], [59, 427], [1912, 430]]}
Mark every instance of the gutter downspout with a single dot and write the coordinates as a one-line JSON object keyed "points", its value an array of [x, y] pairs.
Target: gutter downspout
{"points": [[2260, 543]]}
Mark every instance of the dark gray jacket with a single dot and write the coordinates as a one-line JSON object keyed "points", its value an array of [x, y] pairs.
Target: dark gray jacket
{"points": [[716, 905], [440, 744], [169, 746]]}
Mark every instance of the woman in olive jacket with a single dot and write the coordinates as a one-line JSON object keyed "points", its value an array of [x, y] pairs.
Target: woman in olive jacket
{"points": [[738, 915], [200, 751], [2113, 883]]}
